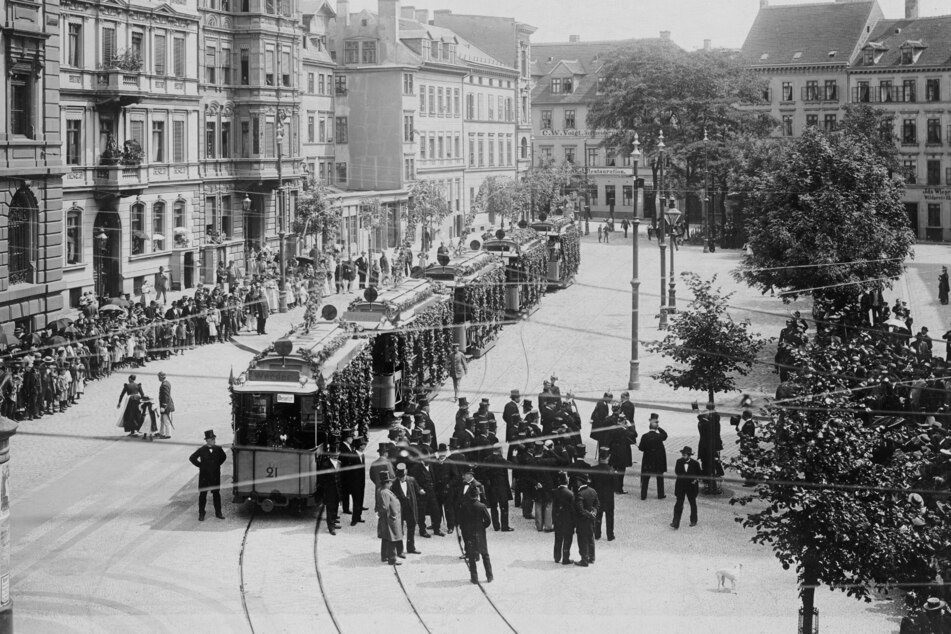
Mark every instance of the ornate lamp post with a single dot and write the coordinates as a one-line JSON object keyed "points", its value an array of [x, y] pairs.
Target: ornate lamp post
{"points": [[672, 215], [634, 382], [660, 236], [282, 291]]}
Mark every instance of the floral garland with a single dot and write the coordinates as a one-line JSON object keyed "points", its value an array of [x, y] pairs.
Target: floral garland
{"points": [[571, 251], [346, 401], [484, 298], [317, 360], [533, 266], [427, 347], [473, 263], [393, 308]]}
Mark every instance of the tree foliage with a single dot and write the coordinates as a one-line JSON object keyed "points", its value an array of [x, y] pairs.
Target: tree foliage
{"points": [[548, 187], [428, 208], [318, 215], [827, 219], [503, 197], [709, 345]]}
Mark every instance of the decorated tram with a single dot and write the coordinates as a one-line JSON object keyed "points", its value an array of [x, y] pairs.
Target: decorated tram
{"points": [[525, 257], [476, 281], [409, 327], [564, 248], [297, 394]]}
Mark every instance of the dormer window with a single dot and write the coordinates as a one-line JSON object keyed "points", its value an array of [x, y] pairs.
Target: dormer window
{"points": [[369, 53], [434, 49], [872, 53], [911, 51], [907, 56], [797, 55], [568, 85], [351, 52], [601, 81], [868, 57]]}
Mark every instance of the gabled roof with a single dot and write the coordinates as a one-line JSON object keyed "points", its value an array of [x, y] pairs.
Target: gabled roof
{"points": [[931, 36], [313, 7], [803, 34], [494, 35]]}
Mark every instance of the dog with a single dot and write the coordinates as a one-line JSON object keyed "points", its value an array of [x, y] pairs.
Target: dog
{"points": [[731, 574]]}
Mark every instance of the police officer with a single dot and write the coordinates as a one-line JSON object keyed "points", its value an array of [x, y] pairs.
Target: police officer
{"points": [[209, 459]]}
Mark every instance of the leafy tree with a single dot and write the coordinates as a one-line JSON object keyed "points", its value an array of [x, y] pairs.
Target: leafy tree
{"points": [[827, 219], [318, 215], [428, 208], [372, 214], [502, 196], [548, 186], [705, 339]]}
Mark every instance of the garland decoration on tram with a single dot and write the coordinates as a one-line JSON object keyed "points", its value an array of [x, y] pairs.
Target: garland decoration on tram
{"points": [[346, 401], [571, 251], [326, 351], [533, 265], [485, 298], [426, 347]]}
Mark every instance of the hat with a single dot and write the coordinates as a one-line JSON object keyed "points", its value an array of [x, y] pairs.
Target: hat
{"points": [[385, 477], [687, 450], [209, 433], [384, 447], [348, 433], [469, 468], [401, 466], [453, 443], [934, 604], [442, 446], [515, 394], [549, 444], [48, 360], [581, 477], [580, 449], [527, 403], [484, 401], [426, 433], [463, 403], [608, 395], [655, 416], [603, 454]]}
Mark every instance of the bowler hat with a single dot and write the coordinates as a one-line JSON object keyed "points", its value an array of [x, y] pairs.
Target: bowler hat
{"points": [[469, 468], [687, 450], [209, 433]]}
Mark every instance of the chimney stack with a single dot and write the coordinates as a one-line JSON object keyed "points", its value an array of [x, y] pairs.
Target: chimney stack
{"points": [[388, 12], [707, 45], [911, 9], [408, 13], [574, 38], [343, 12], [422, 16], [665, 35], [763, 4]]}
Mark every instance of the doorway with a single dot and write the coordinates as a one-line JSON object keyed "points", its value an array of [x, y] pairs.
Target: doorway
{"points": [[107, 249]]}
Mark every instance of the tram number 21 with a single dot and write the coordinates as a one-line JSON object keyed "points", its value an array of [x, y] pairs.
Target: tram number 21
{"points": [[270, 472]]}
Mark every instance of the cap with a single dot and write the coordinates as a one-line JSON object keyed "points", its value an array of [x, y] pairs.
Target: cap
{"points": [[209, 433]]}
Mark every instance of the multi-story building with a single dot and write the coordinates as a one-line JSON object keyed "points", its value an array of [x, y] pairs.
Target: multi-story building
{"points": [[32, 229]]}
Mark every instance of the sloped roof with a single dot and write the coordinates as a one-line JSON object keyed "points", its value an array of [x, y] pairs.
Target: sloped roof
{"points": [[933, 34], [494, 35], [812, 31]]}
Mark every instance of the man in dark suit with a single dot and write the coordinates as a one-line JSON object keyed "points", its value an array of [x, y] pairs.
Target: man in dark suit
{"points": [[598, 416], [563, 516], [510, 411], [473, 524], [603, 481], [353, 476], [407, 492], [209, 459], [498, 492], [166, 407], [328, 484], [627, 407], [709, 447], [586, 512], [445, 475], [426, 499], [654, 461], [619, 443], [362, 267], [424, 421], [687, 485]]}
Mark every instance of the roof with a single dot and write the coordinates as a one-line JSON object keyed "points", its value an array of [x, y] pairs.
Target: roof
{"points": [[930, 35], [494, 35], [796, 35]]}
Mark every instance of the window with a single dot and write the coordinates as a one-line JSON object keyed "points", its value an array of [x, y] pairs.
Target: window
{"points": [[546, 155], [409, 169], [523, 154], [22, 239], [311, 127], [907, 55], [422, 101], [934, 172], [829, 123], [108, 44], [568, 85], [211, 131], [178, 141], [593, 195], [909, 131], [569, 119], [440, 104], [256, 136], [269, 140], [74, 236], [610, 196], [351, 52], [408, 135], [21, 104], [472, 147], [408, 84], [442, 148], [886, 92], [178, 56], [226, 224], [932, 89], [787, 91], [569, 155], [455, 102], [481, 150], [211, 213], [863, 92], [627, 195], [340, 84], [910, 168], [158, 225], [245, 139], [210, 64], [934, 214], [269, 63], [812, 121], [787, 125], [546, 119], [491, 108], [432, 100], [508, 150], [136, 45], [137, 226], [432, 145], [591, 155], [225, 139], [611, 158], [245, 67], [369, 52], [811, 91], [225, 66], [159, 55], [286, 68], [934, 130], [556, 86], [158, 141], [422, 145], [320, 84], [341, 173], [74, 52], [831, 90], [909, 90], [434, 49], [458, 150], [341, 126], [470, 106], [74, 133], [178, 213], [491, 150]]}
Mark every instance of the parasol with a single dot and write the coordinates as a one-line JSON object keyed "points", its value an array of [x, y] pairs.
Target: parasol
{"points": [[158, 237], [141, 235], [7, 340], [57, 340], [896, 323], [120, 302], [180, 231], [112, 308], [61, 323]]}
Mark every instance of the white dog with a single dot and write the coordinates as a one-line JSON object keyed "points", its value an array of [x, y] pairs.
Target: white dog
{"points": [[731, 574]]}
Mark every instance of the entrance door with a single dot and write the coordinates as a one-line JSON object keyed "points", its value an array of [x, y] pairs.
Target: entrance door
{"points": [[107, 254], [189, 272], [912, 210]]}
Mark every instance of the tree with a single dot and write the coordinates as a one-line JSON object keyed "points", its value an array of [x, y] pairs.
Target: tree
{"points": [[548, 186], [827, 219], [318, 215], [705, 339], [502, 196], [428, 208], [372, 215], [837, 506]]}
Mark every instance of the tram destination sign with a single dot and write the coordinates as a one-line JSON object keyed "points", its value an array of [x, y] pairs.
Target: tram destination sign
{"points": [[276, 376]]}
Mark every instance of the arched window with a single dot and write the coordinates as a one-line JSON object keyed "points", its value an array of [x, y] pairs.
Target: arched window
{"points": [[74, 235], [137, 226], [158, 226], [524, 148], [21, 236]]}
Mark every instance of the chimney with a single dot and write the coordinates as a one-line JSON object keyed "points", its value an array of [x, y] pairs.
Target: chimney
{"points": [[388, 13], [911, 9], [440, 13], [422, 16], [763, 4], [408, 13], [574, 38], [665, 35], [343, 12], [707, 45]]}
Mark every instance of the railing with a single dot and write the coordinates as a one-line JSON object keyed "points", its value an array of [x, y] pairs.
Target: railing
{"points": [[884, 94]]}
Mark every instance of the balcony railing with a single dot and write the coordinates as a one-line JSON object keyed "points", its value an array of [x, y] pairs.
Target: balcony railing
{"points": [[124, 179], [884, 94]]}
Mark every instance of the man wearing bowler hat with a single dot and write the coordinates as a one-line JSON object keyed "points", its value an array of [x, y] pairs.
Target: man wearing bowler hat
{"points": [[687, 485], [209, 459]]}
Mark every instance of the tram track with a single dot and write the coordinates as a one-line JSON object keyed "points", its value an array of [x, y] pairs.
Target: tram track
{"points": [[320, 577], [462, 551], [244, 598]]}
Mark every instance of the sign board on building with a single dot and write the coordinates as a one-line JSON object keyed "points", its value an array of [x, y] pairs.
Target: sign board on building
{"points": [[580, 132], [281, 376], [284, 398], [938, 193], [610, 171]]}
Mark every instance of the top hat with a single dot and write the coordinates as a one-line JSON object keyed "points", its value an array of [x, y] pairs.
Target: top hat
{"points": [[687, 450], [655, 416], [484, 401], [463, 402], [453, 442], [580, 450], [209, 433], [527, 403], [603, 454], [515, 394], [442, 447]]}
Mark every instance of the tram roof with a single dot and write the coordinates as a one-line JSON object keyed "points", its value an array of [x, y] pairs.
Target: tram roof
{"points": [[399, 304], [518, 240], [553, 224], [267, 377], [464, 268]]}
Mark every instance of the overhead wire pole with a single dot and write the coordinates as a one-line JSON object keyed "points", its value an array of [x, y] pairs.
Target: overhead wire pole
{"points": [[662, 229], [634, 382]]}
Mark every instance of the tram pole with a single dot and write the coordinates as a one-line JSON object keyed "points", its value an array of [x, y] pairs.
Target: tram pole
{"points": [[7, 429]]}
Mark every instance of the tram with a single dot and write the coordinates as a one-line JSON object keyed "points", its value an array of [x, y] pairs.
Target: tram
{"points": [[564, 248], [297, 394], [476, 281], [410, 331], [525, 256]]}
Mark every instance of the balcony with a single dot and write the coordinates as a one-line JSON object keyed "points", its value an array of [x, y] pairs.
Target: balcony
{"points": [[884, 94], [120, 87], [120, 180]]}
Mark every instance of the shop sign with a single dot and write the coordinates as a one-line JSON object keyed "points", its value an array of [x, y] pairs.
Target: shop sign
{"points": [[938, 193]]}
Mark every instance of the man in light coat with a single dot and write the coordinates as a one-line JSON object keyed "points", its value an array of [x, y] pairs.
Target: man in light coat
{"points": [[166, 407], [389, 526]]}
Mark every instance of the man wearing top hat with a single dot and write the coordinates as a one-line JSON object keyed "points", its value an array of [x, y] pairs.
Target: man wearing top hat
{"points": [[563, 517], [328, 482], [425, 421], [421, 471], [601, 412], [407, 492], [389, 527], [586, 513], [209, 459], [461, 415], [474, 521], [709, 447], [483, 415], [654, 461], [510, 410], [686, 486], [548, 402], [498, 492], [362, 267], [604, 483], [352, 476]]}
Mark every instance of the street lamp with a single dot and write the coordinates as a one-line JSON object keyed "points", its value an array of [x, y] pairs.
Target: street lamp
{"points": [[707, 207], [672, 215], [101, 240], [282, 291], [662, 325], [634, 382]]}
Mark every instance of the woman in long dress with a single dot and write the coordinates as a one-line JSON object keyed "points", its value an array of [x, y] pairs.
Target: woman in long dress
{"points": [[943, 286], [131, 397]]}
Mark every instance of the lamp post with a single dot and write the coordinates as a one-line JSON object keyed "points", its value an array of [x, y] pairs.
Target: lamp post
{"points": [[634, 382], [246, 207], [101, 240], [707, 207], [672, 215], [660, 236], [282, 291]]}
